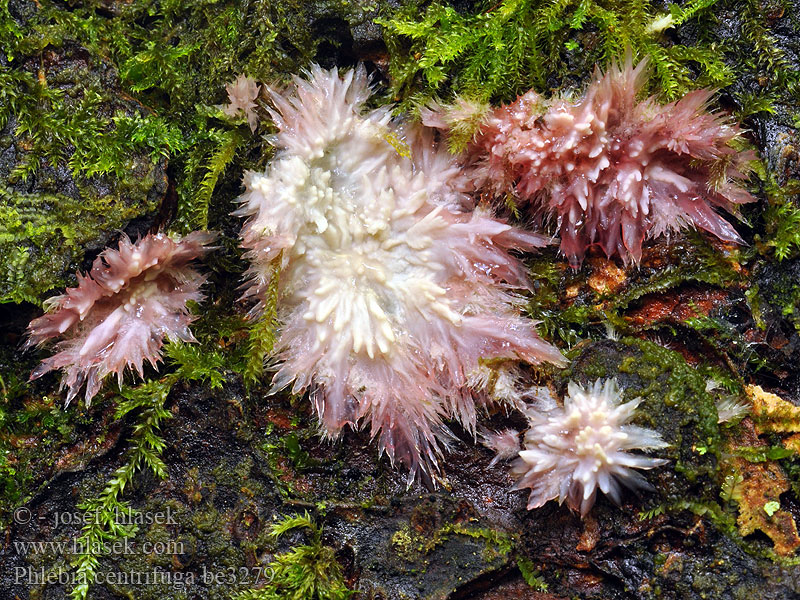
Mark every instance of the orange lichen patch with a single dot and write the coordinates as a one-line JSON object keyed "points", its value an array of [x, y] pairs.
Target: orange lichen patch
{"points": [[606, 277], [773, 413], [677, 307], [758, 496], [792, 443]]}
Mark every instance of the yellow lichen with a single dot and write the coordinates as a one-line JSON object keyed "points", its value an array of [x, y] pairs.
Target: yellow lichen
{"points": [[758, 495], [772, 413]]}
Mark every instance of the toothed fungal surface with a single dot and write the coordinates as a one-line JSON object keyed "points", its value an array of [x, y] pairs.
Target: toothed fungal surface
{"points": [[504, 444], [609, 169], [242, 95], [120, 313], [391, 286], [571, 452]]}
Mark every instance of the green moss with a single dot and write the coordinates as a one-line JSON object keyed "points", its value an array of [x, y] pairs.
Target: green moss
{"points": [[694, 260], [781, 237], [726, 342], [78, 162], [305, 572], [500, 49], [413, 545], [34, 430], [757, 55], [70, 126], [176, 56], [531, 575], [508, 47], [568, 323], [569, 310], [144, 451], [262, 334], [193, 362], [44, 236]]}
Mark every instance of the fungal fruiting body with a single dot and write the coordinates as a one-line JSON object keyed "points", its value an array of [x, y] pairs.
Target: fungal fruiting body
{"points": [[504, 444], [242, 95], [609, 169], [572, 451], [730, 408], [390, 289], [120, 313], [501, 383]]}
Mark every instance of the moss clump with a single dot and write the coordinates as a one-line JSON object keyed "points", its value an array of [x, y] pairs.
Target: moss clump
{"points": [[507, 47], [690, 260], [573, 305], [78, 162], [306, 572], [176, 57], [37, 433], [79, 158], [44, 237], [781, 237], [568, 322], [412, 545], [497, 50]]}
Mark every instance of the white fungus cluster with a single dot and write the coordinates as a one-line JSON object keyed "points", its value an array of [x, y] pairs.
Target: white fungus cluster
{"points": [[572, 451], [242, 97], [391, 289], [730, 408], [504, 444]]}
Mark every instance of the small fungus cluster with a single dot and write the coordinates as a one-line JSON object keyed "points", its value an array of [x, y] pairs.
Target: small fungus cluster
{"points": [[120, 313], [572, 451]]}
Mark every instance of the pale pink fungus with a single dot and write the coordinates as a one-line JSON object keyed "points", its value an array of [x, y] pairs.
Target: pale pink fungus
{"points": [[242, 95], [391, 290], [504, 444], [610, 170], [120, 313], [572, 451]]}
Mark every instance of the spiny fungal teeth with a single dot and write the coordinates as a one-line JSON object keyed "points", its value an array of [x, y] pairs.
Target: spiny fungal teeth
{"points": [[385, 299], [682, 143]]}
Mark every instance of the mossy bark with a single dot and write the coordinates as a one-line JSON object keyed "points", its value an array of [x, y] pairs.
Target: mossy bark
{"points": [[238, 459]]}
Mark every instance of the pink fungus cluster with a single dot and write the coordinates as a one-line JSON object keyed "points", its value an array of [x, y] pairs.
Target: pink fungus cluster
{"points": [[391, 287], [611, 170], [242, 95], [120, 313]]}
